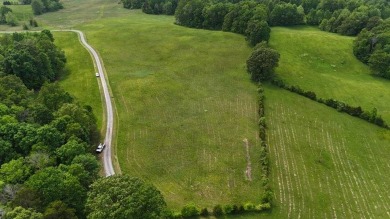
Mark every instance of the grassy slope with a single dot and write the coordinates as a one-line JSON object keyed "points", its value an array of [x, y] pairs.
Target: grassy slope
{"points": [[323, 165], [77, 12], [323, 62], [185, 104], [80, 79]]}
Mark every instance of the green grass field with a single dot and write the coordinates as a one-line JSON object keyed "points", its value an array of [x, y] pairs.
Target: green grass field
{"points": [[324, 63], [80, 80], [185, 105], [22, 12], [323, 166], [77, 12]]}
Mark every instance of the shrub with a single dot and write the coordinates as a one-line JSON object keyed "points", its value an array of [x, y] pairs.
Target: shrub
{"points": [[217, 210], [228, 209], [249, 206], [204, 212], [189, 210], [235, 210]]}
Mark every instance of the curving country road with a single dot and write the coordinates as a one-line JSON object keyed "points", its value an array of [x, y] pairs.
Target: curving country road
{"points": [[107, 162]]}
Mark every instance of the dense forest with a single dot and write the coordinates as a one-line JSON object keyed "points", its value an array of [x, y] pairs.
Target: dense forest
{"points": [[367, 19], [46, 136]]}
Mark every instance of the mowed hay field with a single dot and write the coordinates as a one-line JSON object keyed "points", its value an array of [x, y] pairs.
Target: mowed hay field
{"points": [[79, 79], [185, 104], [324, 63], [325, 164]]}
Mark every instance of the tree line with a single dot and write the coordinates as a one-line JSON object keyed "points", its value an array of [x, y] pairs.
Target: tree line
{"points": [[369, 19], [32, 57], [46, 140], [356, 111]]}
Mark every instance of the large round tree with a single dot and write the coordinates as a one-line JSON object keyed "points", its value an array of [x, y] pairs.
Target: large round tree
{"points": [[262, 62], [126, 197]]}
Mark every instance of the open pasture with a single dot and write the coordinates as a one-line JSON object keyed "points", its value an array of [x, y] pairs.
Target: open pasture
{"points": [[185, 104], [325, 164], [76, 12], [324, 63]]}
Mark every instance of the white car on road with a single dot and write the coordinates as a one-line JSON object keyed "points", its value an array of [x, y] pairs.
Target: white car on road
{"points": [[100, 148]]}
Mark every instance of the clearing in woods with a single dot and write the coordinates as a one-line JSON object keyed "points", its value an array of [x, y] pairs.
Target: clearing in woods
{"points": [[325, 164], [185, 104]]}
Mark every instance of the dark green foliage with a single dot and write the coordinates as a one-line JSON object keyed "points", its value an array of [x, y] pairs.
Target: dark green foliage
{"points": [[373, 47], [4, 10], [124, 197], [286, 15], [257, 31], [27, 198], [67, 152], [204, 212], [261, 63], [37, 7], [39, 131], [133, 4], [214, 15], [237, 19], [190, 13], [167, 7], [228, 209], [33, 58], [58, 209], [33, 22], [43, 6], [54, 184], [53, 97], [217, 210]]}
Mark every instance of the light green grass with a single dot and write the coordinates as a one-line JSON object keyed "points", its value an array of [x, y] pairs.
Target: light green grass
{"points": [[185, 103], [22, 12], [324, 63], [325, 164], [80, 79], [77, 12]]}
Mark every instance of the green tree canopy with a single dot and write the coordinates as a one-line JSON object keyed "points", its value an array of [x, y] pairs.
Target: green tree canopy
{"points": [[262, 62], [15, 171], [22, 213], [257, 31], [122, 196], [54, 184], [59, 210]]}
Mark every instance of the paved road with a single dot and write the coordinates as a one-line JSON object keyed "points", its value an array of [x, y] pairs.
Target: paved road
{"points": [[107, 162]]}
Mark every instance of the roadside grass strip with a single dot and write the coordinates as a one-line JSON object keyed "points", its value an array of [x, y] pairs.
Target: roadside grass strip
{"points": [[325, 164]]}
